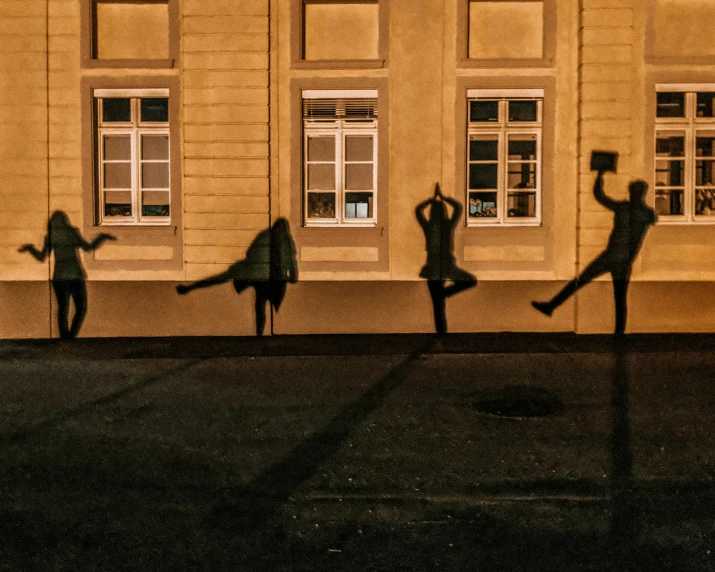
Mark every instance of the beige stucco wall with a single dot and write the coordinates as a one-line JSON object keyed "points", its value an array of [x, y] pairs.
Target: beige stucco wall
{"points": [[598, 64]]}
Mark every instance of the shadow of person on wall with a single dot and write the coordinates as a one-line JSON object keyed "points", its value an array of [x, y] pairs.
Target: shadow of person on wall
{"points": [[631, 219], [269, 265], [441, 265], [68, 278]]}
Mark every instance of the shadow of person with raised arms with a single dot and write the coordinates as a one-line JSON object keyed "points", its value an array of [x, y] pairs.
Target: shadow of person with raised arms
{"points": [[441, 265], [69, 277], [269, 265], [631, 220]]}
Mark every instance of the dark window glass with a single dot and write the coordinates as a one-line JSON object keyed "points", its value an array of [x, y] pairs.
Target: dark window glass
{"points": [[483, 176], [670, 146], [481, 150], [670, 104], [522, 111], [155, 109], [705, 146], [705, 104], [481, 111], [116, 109]]}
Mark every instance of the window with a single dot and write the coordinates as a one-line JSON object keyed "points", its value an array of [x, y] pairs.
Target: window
{"points": [[504, 156], [341, 30], [501, 29], [685, 154], [133, 157], [130, 29], [340, 157]]}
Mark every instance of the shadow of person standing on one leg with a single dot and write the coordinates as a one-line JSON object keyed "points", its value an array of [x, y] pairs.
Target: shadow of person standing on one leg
{"points": [[441, 265], [269, 265], [68, 278], [631, 220]]}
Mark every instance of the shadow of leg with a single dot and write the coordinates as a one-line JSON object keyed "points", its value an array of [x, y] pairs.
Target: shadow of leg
{"points": [[63, 306], [437, 292], [79, 297]]}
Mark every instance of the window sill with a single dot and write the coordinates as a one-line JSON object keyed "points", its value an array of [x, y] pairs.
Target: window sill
{"points": [[468, 63], [664, 222], [129, 64], [502, 224], [337, 64], [341, 226]]}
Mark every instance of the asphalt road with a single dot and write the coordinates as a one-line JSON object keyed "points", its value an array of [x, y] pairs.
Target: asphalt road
{"points": [[358, 453]]}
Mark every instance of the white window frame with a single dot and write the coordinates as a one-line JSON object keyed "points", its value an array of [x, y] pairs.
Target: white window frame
{"points": [[135, 129], [502, 129], [689, 126], [340, 129]]}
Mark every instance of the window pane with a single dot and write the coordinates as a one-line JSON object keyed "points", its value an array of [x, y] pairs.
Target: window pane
{"points": [[321, 149], [155, 175], [480, 111], [116, 109], [704, 202], [117, 148], [116, 209], [668, 201], [522, 147], [670, 146], [522, 176], [358, 205], [483, 204], [118, 203], [522, 111], [521, 205], [670, 104], [155, 203], [669, 173], [155, 147], [117, 176], [358, 148], [482, 176], [321, 177], [705, 104], [155, 109], [483, 150], [705, 147], [321, 205], [704, 172], [358, 177]]}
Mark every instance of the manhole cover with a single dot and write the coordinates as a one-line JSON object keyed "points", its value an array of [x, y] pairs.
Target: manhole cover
{"points": [[520, 402]]}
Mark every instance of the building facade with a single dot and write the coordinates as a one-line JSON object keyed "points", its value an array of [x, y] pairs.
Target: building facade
{"points": [[186, 127]]}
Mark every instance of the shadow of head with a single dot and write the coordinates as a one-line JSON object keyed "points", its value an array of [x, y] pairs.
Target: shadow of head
{"points": [[637, 190]]}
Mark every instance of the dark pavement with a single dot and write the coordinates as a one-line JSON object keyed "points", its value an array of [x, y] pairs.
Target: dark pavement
{"points": [[373, 453]]}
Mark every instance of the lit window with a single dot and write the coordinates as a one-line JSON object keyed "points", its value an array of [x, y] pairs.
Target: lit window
{"points": [[340, 157], [504, 156], [685, 155], [133, 159]]}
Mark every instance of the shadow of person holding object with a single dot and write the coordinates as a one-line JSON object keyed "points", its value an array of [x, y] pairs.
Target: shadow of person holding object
{"points": [[631, 220], [269, 265], [441, 265], [69, 277]]}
